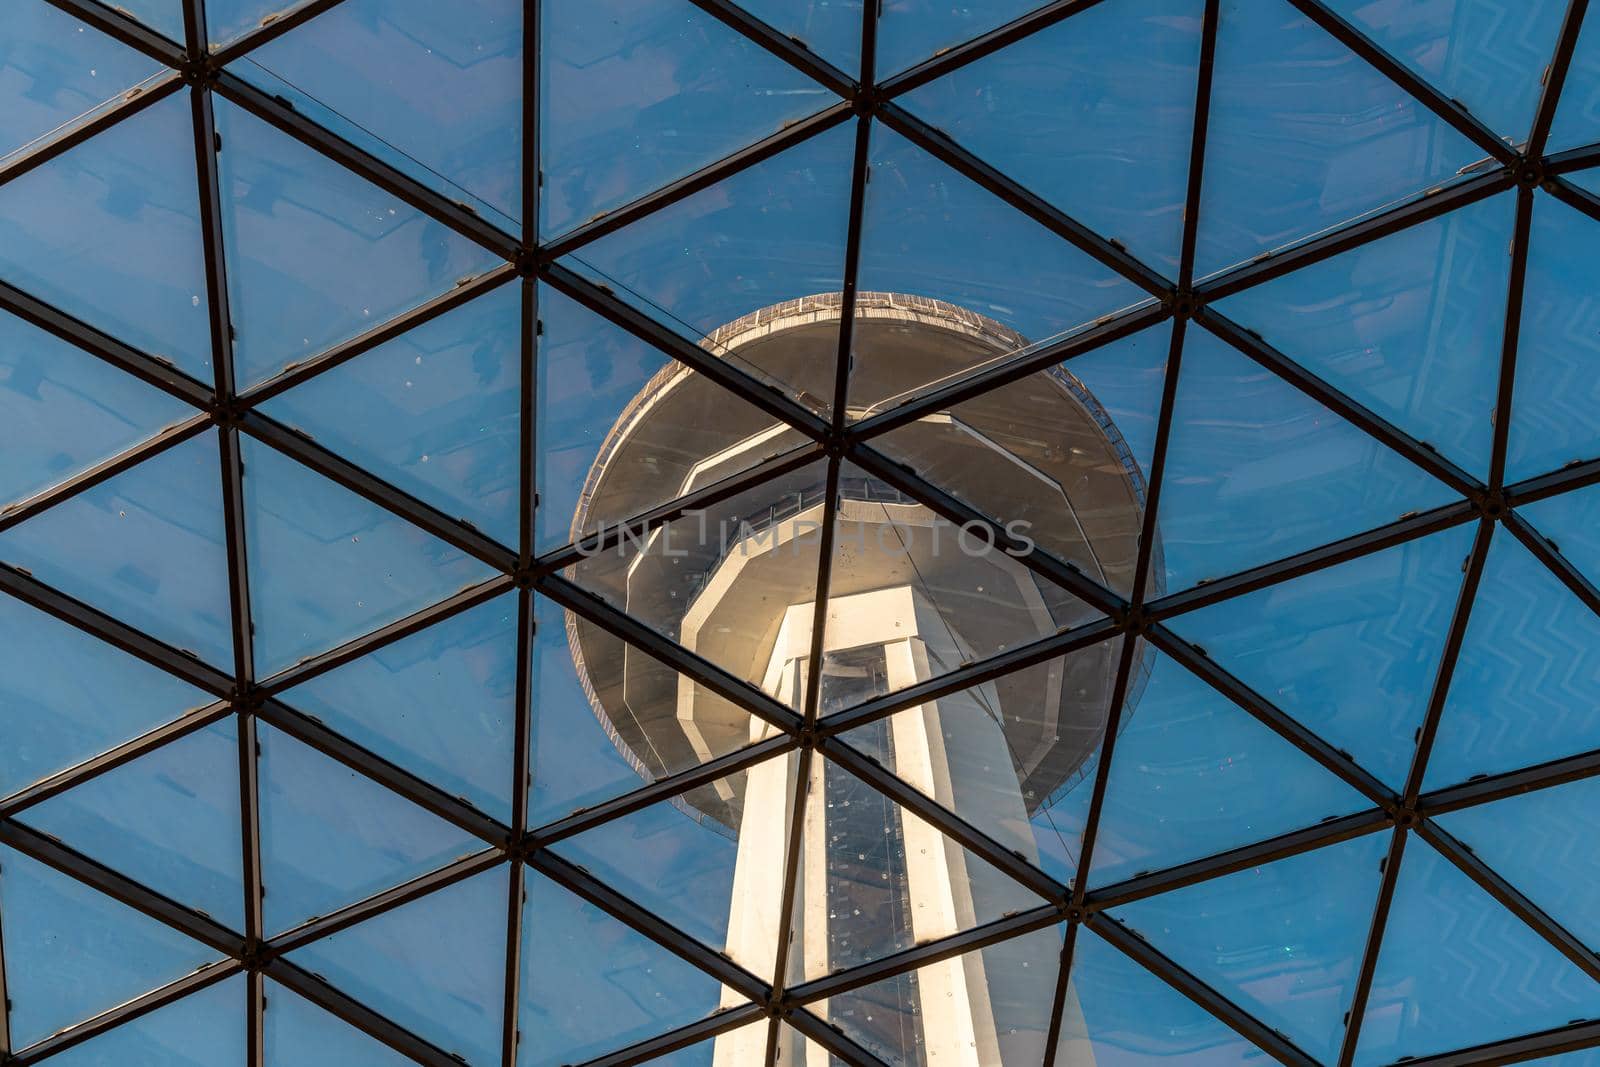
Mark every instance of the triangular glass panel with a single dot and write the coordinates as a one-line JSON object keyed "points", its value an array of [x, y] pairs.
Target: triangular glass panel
{"points": [[1490, 59], [1057, 112], [72, 952], [932, 239], [109, 232], [709, 862], [1556, 391], [913, 30], [1457, 970], [65, 696], [1545, 844], [991, 1007], [608, 718], [705, 267], [66, 411], [723, 582], [1350, 651], [1194, 775], [635, 94], [434, 91], [145, 546], [1340, 139], [57, 74], [434, 411], [1410, 325], [202, 1029], [1015, 757], [1257, 471], [670, 430], [435, 965], [1117, 1012], [298, 1033], [592, 985], [830, 28], [1045, 456], [1577, 119], [317, 255], [1283, 941], [1526, 688], [339, 565], [169, 819], [331, 837], [875, 879], [441, 703]]}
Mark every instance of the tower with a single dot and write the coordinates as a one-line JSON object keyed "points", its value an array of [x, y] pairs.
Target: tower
{"points": [[910, 597]]}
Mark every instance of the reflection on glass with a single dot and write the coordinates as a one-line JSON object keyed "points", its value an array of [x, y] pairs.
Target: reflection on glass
{"points": [[1410, 325], [1337, 140], [1283, 941], [169, 819], [1438, 987], [1057, 112], [72, 952], [435, 965]]}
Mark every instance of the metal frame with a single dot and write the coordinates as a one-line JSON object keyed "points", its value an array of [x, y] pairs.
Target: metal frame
{"points": [[1132, 620]]}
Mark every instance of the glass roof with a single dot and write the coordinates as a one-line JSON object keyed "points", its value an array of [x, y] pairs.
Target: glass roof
{"points": [[799, 532]]}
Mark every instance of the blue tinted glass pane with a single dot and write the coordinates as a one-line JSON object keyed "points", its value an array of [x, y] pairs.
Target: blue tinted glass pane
{"points": [[55, 72], [434, 412], [437, 86], [110, 232], [1410, 325], [1117, 1014], [65, 696], [1350, 651], [675, 860], [708, 260], [830, 28], [316, 255], [203, 1029], [440, 703], [1577, 119], [164, 16], [327, 565], [72, 952], [1058, 112], [145, 546], [1194, 775], [1339, 140], [929, 232], [1440, 987], [913, 30], [1570, 521], [1256, 470], [1545, 844], [300, 1034], [65, 411], [704, 1054], [1489, 56], [592, 375], [1526, 687], [925, 1017], [1283, 941], [169, 819], [330, 837], [435, 965], [1557, 393], [591, 985], [1125, 379], [637, 93]]}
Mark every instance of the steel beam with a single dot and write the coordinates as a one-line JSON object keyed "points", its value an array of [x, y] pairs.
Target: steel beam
{"points": [[1555, 77], [319, 992], [133, 101], [954, 58], [1374, 944], [789, 49], [692, 1034], [128, 30]]}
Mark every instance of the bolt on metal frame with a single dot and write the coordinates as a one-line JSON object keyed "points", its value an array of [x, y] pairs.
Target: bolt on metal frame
{"points": [[1183, 302]]}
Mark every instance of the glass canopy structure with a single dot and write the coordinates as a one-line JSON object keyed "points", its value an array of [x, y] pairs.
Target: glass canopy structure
{"points": [[542, 532]]}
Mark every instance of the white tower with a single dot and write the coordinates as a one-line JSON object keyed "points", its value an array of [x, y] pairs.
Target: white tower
{"points": [[908, 599]]}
